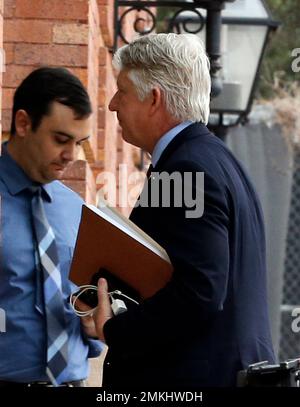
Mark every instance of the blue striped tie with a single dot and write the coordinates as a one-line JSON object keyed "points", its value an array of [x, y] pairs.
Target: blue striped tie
{"points": [[57, 342]]}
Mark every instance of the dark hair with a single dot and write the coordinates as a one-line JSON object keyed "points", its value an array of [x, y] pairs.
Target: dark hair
{"points": [[44, 86]]}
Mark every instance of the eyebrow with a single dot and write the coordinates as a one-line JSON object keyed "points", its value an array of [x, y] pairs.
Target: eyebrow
{"points": [[62, 133]]}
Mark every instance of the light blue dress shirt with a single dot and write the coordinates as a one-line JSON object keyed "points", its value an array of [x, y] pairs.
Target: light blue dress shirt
{"points": [[24, 344], [166, 139]]}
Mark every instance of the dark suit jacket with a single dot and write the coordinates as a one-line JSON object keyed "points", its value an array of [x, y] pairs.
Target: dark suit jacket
{"points": [[211, 320]]}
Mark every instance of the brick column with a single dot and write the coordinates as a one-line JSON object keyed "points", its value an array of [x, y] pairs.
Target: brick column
{"points": [[113, 151]]}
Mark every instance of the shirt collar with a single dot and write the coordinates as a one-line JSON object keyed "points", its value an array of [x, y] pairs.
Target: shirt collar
{"points": [[166, 139], [15, 179]]}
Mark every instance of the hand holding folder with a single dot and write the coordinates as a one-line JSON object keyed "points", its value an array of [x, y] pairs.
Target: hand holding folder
{"points": [[128, 258]]}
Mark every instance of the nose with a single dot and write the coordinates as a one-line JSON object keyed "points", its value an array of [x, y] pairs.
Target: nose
{"points": [[113, 104], [68, 154]]}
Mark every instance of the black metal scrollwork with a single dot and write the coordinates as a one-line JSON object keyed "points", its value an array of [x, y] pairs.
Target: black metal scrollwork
{"points": [[141, 24], [146, 24], [197, 21]]}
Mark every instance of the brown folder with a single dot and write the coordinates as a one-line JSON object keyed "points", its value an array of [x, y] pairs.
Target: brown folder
{"points": [[104, 241]]}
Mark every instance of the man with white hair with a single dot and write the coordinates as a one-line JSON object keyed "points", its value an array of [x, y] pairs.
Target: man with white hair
{"points": [[211, 319]]}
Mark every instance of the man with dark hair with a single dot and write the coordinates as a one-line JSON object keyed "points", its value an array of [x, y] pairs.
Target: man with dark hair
{"points": [[46, 85], [44, 343]]}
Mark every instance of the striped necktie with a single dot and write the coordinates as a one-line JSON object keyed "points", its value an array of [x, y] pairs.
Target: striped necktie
{"points": [[48, 262]]}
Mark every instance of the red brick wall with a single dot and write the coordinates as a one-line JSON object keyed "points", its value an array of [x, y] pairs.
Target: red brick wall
{"points": [[55, 33], [76, 34], [40, 32]]}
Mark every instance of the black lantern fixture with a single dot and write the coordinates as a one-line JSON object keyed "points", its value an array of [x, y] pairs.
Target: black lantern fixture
{"points": [[235, 32], [245, 31]]}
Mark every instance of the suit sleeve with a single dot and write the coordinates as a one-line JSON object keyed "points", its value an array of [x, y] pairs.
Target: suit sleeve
{"points": [[199, 251]]}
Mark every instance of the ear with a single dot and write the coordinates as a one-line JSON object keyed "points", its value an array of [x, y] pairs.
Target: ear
{"points": [[156, 100], [22, 123]]}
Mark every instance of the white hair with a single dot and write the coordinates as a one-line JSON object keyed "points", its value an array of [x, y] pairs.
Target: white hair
{"points": [[177, 64]]}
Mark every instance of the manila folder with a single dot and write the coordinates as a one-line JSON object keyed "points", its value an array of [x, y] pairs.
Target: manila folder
{"points": [[108, 240]]}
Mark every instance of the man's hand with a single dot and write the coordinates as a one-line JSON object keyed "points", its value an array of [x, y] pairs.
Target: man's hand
{"points": [[87, 322], [103, 312]]}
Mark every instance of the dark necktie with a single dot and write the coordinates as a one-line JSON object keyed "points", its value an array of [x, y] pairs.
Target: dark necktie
{"points": [[57, 337]]}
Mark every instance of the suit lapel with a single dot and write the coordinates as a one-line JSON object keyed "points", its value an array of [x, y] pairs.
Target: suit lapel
{"points": [[194, 130]]}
